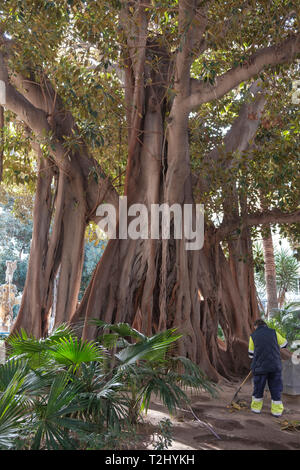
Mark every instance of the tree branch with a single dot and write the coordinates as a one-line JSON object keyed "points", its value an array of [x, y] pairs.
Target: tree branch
{"points": [[274, 216], [237, 139], [134, 19], [192, 21], [202, 92], [34, 118], [37, 119]]}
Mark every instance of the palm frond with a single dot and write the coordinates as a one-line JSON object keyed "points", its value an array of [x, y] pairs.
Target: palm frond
{"points": [[20, 343], [151, 349], [122, 329], [12, 410], [192, 375], [52, 420], [170, 394], [8, 371], [62, 331], [73, 352]]}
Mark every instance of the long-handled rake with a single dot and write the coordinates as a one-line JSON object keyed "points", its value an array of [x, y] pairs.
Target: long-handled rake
{"points": [[239, 389]]}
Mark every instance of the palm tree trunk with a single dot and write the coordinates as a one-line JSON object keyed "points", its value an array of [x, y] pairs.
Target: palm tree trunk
{"points": [[270, 272]]}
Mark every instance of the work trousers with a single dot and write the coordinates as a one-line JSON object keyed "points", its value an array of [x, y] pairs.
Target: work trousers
{"points": [[274, 383]]}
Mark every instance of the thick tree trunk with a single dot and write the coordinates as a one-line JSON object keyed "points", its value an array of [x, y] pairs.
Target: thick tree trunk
{"points": [[157, 284], [241, 258], [150, 283]]}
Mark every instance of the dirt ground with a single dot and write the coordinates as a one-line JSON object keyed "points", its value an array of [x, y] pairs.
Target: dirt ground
{"points": [[237, 430]]}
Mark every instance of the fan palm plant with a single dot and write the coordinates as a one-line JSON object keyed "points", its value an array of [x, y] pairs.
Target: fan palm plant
{"points": [[33, 382], [147, 368], [61, 392], [107, 405], [13, 413], [287, 274], [57, 368], [287, 321], [52, 422], [73, 352], [61, 348]]}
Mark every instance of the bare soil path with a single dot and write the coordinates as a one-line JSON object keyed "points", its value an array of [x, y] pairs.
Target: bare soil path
{"points": [[238, 430]]}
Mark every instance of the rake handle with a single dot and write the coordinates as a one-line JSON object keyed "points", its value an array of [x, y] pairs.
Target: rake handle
{"points": [[244, 381]]}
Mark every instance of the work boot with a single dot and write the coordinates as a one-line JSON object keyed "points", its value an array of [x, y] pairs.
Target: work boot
{"points": [[256, 405], [276, 408]]}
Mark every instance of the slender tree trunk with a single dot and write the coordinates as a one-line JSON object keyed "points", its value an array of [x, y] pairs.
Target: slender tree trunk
{"points": [[270, 271], [31, 314], [1, 141]]}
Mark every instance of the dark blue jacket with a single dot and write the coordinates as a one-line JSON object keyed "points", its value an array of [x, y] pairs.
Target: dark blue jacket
{"points": [[266, 358]]}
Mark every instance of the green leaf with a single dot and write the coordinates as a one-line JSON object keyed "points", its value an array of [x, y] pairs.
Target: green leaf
{"points": [[150, 349], [73, 351]]}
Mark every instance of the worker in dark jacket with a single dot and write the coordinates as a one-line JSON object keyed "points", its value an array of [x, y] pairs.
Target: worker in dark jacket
{"points": [[264, 350]]}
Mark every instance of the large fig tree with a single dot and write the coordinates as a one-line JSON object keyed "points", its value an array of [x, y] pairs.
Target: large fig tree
{"points": [[146, 74]]}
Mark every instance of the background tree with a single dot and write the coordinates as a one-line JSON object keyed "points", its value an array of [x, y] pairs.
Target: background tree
{"points": [[15, 242], [92, 253], [287, 274]]}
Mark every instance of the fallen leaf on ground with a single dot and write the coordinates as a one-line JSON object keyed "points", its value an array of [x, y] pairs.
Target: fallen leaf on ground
{"points": [[237, 406], [286, 425]]}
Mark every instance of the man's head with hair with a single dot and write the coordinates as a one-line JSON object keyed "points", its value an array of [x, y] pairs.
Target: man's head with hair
{"points": [[259, 322]]}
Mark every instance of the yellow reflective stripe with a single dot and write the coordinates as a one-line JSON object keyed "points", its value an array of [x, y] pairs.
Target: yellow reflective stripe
{"points": [[251, 345], [281, 341], [277, 408], [256, 404]]}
